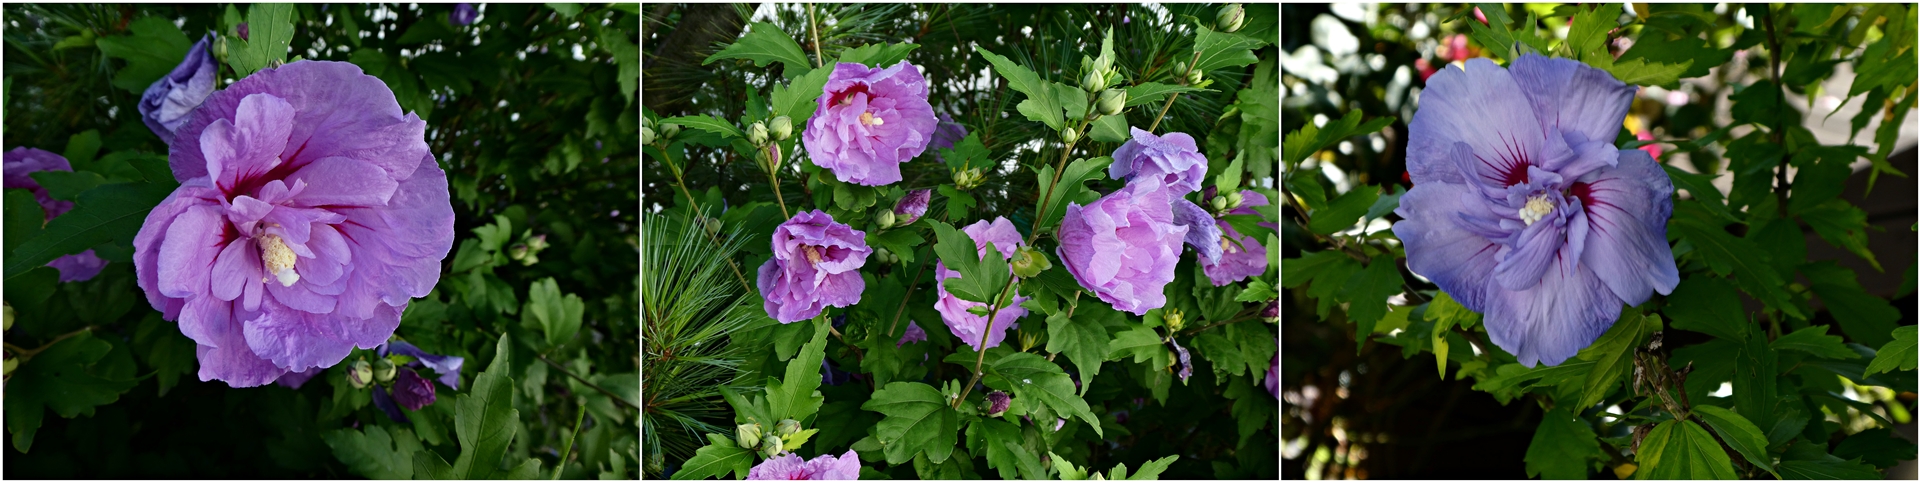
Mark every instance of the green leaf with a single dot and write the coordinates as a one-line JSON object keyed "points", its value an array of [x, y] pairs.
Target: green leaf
{"points": [[1140, 342], [484, 419], [1344, 211], [879, 55], [1111, 128], [559, 316], [1843, 226], [1386, 203], [627, 55], [1680, 449], [109, 213], [1006, 451], [1310, 139], [708, 123], [716, 460], [1879, 447], [981, 277], [1707, 304], [1895, 355], [427, 465], [1220, 49], [270, 35], [762, 44], [1072, 184], [1701, 187], [1690, 52], [1067, 470], [1756, 379], [1739, 433], [1814, 340], [1612, 354], [968, 153], [1369, 292], [1150, 92], [153, 49], [799, 99], [1041, 104], [23, 219], [793, 397], [1152, 469], [1587, 37], [81, 149], [900, 242], [374, 453], [1865, 318], [1084, 342], [917, 420], [1727, 255], [1642, 72], [1808, 461], [1029, 375], [63, 378], [1561, 446]]}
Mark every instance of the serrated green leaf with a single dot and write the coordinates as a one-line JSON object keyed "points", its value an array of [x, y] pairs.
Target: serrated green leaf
{"points": [[1844, 226], [968, 153], [1006, 452], [1587, 37], [982, 277], [154, 48], [1369, 291], [1895, 354], [1344, 211], [1814, 340], [716, 460], [1611, 355], [1152, 468], [1220, 49], [270, 35], [374, 453], [1680, 449], [64, 379], [1863, 317], [917, 420], [1084, 342], [1040, 105], [793, 397], [1727, 255], [1642, 72], [559, 315], [109, 213], [1029, 375], [1072, 184], [880, 55], [1561, 446], [765, 43], [1707, 304], [707, 123], [799, 99], [1111, 128], [485, 421], [1739, 433]]}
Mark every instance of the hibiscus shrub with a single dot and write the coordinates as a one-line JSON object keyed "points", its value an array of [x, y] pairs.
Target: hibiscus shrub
{"points": [[1552, 226], [321, 241], [951, 241]]}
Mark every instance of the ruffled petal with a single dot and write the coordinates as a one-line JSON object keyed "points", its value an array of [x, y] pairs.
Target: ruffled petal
{"points": [[1477, 106], [232, 361], [1626, 212], [1551, 322], [1570, 96], [188, 251], [1438, 248], [296, 340], [343, 181], [1202, 232]]}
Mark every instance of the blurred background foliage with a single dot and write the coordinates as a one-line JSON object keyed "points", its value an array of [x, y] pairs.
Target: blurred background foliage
{"points": [[530, 110], [1353, 409]]}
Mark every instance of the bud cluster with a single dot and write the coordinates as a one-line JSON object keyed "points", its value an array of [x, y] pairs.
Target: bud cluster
{"points": [[527, 251], [969, 178], [1226, 203]]}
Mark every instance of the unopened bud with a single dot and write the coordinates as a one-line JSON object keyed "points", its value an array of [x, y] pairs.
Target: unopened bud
{"points": [[711, 225], [537, 243], [668, 131], [1094, 81], [747, 435], [1174, 320], [787, 427], [383, 370], [782, 127], [1272, 313], [361, 374], [885, 219], [1195, 77], [1219, 204], [1180, 66], [1230, 18], [220, 48], [1070, 135], [646, 122], [757, 133], [646, 136], [1102, 65], [1112, 101], [517, 252], [1098, 476], [9, 320], [771, 446], [997, 402], [1029, 262], [1234, 199]]}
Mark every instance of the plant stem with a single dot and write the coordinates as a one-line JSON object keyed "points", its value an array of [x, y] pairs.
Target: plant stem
{"points": [[903, 300], [984, 333], [1779, 131], [568, 448], [1061, 167], [696, 208], [583, 381], [1176, 95], [819, 61], [773, 177], [25, 355]]}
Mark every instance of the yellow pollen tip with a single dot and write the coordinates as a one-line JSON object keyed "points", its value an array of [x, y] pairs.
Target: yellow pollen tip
{"points": [[278, 260], [1537, 207]]}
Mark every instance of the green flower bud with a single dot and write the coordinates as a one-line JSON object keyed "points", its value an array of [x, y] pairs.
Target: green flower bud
{"points": [[361, 374], [517, 252], [1098, 476], [747, 435], [1102, 65], [1219, 204], [1069, 135], [885, 219], [9, 322], [537, 243], [1094, 81], [782, 128], [1234, 199], [1180, 67], [1174, 320], [1194, 77], [646, 136], [383, 370], [646, 122], [771, 446], [1029, 262], [787, 427], [1230, 18], [220, 48], [757, 134], [1112, 101], [668, 131]]}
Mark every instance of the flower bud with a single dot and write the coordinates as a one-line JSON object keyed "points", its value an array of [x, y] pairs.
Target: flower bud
{"points": [[1180, 66], [782, 128], [1272, 313], [1219, 204], [668, 131], [1234, 199], [997, 402], [1174, 319], [770, 446], [1112, 101], [537, 243], [747, 435], [646, 122], [1102, 65], [9, 321], [1194, 77], [361, 374], [1070, 135], [1230, 18], [787, 427], [517, 252], [884, 220], [1094, 81], [1029, 262], [646, 136], [383, 370], [880, 254], [757, 134], [220, 48], [912, 206]]}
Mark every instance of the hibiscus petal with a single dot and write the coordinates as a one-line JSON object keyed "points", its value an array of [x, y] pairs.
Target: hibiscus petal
{"points": [[1571, 96], [233, 362], [237, 265], [1202, 233], [1439, 249], [344, 181], [1626, 244], [1476, 106], [188, 252], [1521, 266], [1551, 322], [260, 127], [296, 340]]}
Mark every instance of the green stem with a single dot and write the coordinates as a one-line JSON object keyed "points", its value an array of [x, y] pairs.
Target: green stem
{"points": [[1061, 167], [988, 331], [1176, 95], [589, 384], [568, 448], [25, 355]]}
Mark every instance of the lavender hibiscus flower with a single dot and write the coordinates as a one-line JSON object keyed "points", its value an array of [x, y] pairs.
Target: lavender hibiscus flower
{"points": [[1173, 159], [792, 467], [816, 263], [965, 325], [1523, 210], [412, 390], [462, 15], [1237, 262], [914, 334], [309, 212], [945, 134], [911, 207], [1123, 247], [18, 164], [166, 104], [870, 121]]}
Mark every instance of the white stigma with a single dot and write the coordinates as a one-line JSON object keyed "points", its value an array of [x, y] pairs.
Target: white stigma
{"points": [[812, 253], [867, 118], [1537, 207], [278, 260]]}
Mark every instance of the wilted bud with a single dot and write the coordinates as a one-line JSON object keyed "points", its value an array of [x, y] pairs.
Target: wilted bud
{"points": [[1194, 77], [646, 136], [787, 427], [747, 435], [912, 206], [884, 220], [1070, 135], [1029, 262], [997, 402], [383, 370], [1229, 18], [1094, 81], [771, 446], [1174, 320], [517, 252], [782, 128], [757, 133], [361, 374], [1111, 101], [668, 131]]}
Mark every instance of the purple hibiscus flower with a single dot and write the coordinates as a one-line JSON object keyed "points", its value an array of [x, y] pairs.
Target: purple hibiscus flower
{"points": [[1123, 247], [411, 390], [792, 467], [870, 121], [1523, 210], [1173, 159], [911, 207], [945, 134], [1236, 263], [914, 334], [463, 14], [965, 325], [309, 213], [19, 163], [447, 366], [1273, 376], [816, 263], [166, 104]]}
